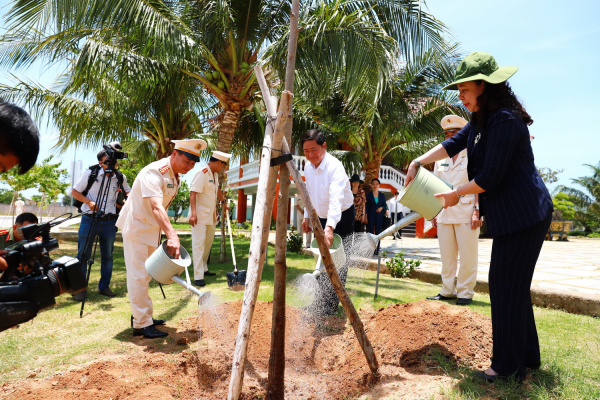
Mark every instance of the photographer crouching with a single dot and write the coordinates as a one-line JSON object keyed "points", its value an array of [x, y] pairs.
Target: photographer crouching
{"points": [[100, 183]]}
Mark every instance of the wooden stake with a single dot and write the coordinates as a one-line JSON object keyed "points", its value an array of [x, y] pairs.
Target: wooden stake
{"points": [[355, 320], [265, 196]]}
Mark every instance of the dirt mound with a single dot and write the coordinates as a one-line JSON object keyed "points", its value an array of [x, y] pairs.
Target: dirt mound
{"points": [[323, 359]]}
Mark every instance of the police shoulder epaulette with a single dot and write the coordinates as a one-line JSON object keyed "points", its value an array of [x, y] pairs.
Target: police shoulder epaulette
{"points": [[164, 169], [205, 170], [4, 232]]}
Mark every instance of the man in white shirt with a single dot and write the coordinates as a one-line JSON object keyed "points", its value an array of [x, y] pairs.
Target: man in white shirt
{"points": [[105, 226], [329, 189], [457, 227], [19, 206]]}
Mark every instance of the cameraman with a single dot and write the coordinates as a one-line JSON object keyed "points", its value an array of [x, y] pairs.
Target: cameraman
{"points": [[19, 142], [87, 190], [12, 235]]}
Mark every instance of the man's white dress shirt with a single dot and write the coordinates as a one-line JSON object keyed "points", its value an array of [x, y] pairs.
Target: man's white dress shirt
{"points": [[329, 189], [109, 203]]}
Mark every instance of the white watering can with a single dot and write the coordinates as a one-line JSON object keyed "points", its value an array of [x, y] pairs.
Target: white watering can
{"points": [[336, 250], [166, 269]]}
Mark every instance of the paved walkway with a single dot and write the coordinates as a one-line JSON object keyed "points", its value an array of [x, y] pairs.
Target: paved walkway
{"points": [[572, 265]]}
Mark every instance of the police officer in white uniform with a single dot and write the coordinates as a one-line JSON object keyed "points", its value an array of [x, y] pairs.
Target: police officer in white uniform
{"points": [[142, 219], [457, 227], [204, 192]]}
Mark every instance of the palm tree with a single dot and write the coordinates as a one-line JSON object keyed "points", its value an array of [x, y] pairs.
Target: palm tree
{"points": [[405, 122], [345, 46], [586, 199]]}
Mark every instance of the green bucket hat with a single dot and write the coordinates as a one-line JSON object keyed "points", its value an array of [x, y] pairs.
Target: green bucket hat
{"points": [[480, 66]]}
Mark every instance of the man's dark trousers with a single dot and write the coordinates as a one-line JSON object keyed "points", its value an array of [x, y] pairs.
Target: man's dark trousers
{"points": [[107, 232], [326, 300]]}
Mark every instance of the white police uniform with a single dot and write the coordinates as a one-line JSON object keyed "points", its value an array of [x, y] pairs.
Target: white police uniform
{"points": [[455, 235], [206, 186], [141, 232]]}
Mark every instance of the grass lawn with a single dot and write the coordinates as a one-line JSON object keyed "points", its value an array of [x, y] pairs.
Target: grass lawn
{"points": [[58, 338]]}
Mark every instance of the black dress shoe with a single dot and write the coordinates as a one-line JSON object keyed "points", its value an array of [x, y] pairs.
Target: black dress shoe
{"points": [[200, 282], [107, 292], [489, 378], [440, 297], [208, 273], [154, 321], [149, 332], [463, 302]]}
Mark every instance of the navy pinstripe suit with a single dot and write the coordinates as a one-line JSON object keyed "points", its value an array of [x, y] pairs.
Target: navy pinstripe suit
{"points": [[518, 211]]}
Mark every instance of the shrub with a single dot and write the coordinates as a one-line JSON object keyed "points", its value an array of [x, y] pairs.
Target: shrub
{"points": [[594, 235], [248, 225], [401, 268], [563, 208], [294, 242], [576, 233]]}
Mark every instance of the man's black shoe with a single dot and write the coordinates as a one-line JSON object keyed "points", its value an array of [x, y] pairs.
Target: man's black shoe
{"points": [[200, 282], [208, 273], [154, 321], [440, 297], [463, 302], [107, 292], [149, 332]]}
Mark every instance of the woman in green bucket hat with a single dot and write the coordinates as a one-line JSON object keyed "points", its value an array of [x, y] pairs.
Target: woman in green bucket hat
{"points": [[512, 197]]}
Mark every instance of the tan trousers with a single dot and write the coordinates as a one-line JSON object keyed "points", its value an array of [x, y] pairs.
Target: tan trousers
{"points": [[202, 240], [137, 281], [458, 239]]}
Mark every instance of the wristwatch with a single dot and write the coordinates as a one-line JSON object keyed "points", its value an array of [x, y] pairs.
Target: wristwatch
{"points": [[223, 201], [418, 163], [477, 207]]}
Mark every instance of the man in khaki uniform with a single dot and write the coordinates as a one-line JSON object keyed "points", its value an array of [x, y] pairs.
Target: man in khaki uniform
{"points": [[142, 219], [204, 191], [457, 227]]}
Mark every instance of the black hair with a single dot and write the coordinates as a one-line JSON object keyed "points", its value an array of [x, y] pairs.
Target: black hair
{"points": [[313, 134], [212, 159], [19, 136], [101, 154], [26, 217], [375, 179], [495, 96]]}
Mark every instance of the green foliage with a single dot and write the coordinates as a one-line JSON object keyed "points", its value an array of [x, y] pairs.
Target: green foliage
{"points": [[46, 177], [401, 268], [248, 225], [130, 167], [594, 235], [294, 242], [66, 200], [6, 196], [586, 199], [563, 208], [549, 176], [181, 201]]}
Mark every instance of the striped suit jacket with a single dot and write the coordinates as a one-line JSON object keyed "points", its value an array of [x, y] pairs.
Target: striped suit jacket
{"points": [[501, 162]]}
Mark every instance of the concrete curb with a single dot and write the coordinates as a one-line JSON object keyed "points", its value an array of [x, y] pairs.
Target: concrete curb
{"points": [[573, 302]]}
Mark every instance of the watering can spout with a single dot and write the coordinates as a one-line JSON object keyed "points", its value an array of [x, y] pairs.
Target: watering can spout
{"points": [[203, 297], [409, 219]]}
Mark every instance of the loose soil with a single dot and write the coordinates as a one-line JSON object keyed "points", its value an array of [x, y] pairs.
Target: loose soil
{"points": [[323, 358]]}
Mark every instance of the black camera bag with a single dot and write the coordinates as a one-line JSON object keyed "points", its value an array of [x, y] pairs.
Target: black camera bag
{"points": [[93, 176]]}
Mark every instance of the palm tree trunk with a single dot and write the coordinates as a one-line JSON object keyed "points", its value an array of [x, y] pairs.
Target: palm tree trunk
{"points": [[372, 170], [226, 131]]}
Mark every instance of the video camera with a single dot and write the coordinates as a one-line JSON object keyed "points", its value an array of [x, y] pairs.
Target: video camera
{"points": [[113, 154], [32, 279]]}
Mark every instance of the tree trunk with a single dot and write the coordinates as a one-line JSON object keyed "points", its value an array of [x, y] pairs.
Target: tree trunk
{"points": [[229, 123], [372, 169], [276, 377]]}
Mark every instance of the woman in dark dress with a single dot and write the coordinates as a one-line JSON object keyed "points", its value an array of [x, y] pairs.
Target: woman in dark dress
{"points": [[513, 199], [376, 207]]}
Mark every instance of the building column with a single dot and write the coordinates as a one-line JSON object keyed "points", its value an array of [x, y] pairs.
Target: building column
{"points": [[242, 206]]}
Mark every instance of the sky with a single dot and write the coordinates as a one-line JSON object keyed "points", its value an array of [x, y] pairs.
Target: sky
{"points": [[555, 44]]}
